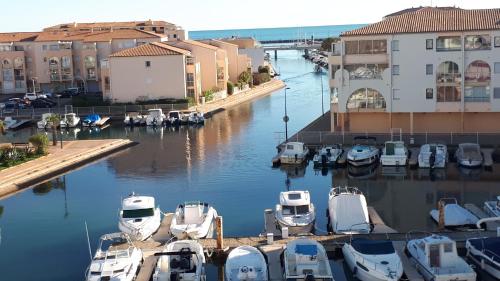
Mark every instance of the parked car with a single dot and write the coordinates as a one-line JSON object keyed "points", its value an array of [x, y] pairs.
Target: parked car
{"points": [[34, 96], [41, 103], [53, 103], [46, 94], [10, 106], [70, 92]]}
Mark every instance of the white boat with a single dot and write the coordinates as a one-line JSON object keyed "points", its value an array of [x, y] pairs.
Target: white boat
{"points": [[293, 153], [139, 217], [436, 259], [306, 259], [134, 118], [184, 117], [155, 117], [348, 211], [296, 212], [372, 260], [8, 122], [120, 261], [196, 117], [94, 120], [363, 154], [394, 153], [44, 123], [469, 155], [433, 155], [245, 263], [454, 214], [181, 260], [174, 118], [69, 120], [193, 220], [493, 207], [485, 253], [327, 156]]}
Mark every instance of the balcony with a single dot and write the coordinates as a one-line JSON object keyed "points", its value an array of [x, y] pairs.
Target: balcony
{"points": [[189, 84]]}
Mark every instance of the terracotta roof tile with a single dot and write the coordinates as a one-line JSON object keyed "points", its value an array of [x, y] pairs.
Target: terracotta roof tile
{"points": [[179, 43], [90, 25], [120, 34], [18, 37], [151, 49], [428, 19]]}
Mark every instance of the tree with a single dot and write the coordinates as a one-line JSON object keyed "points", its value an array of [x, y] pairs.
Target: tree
{"points": [[326, 45], [2, 128], [54, 121], [245, 77], [40, 142]]}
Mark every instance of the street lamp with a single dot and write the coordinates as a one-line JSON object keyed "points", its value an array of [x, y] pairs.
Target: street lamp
{"points": [[33, 80], [286, 118], [322, 102]]}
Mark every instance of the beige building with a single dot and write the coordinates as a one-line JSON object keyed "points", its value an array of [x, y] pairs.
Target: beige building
{"points": [[213, 63], [250, 47], [172, 31], [149, 72], [237, 63]]}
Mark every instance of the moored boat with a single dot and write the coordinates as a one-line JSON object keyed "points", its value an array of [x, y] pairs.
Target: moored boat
{"points": [[348, 211], [139, 217], [69, 120], [306, 259], [180, 260], [363, 152], [485, 253], [294, 153], [134, 118], [174, 118], [155, 117], [469, 155], [433, 155], [193, 220], [327, 156], [44, 123], [394, 153], [196, 117], [8, 122], [493, 207], [296, 212], [94, 120], [246, 263], [454, 214]]}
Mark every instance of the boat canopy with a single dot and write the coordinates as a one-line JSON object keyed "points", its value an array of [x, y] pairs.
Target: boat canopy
{"points": [[93, 118], [308, 250], [294, 198], [372, 247], [138, 202], [489, 246]]}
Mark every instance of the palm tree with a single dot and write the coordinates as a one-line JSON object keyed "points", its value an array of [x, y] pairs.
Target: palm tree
{"points": [[54, 120], [2, 128]]}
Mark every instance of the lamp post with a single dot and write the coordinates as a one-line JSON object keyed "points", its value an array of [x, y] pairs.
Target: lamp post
{"points": [[33, 80], [322, 102], [286, 118]]}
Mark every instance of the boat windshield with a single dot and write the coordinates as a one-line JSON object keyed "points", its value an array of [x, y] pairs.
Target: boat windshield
{"points": [[295, 210], [138, 213], [371, 247], [174, 114]]}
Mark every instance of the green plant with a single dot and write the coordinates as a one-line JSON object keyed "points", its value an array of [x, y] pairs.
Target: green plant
{"points": [[259, 78], [40, 142], [2, 128], [230, 88], [326, 45], [54, 121], [245, 77], [264, 69], [209, 95], [191, 101]]}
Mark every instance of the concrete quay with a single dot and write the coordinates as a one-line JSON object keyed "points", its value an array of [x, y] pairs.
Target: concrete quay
{"points": [[211, 108], [74, 154]]}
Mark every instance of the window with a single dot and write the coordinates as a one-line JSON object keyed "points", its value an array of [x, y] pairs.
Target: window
{"points": [[429, 44], [395, 45], [190, 92], [138, 213], [429, 93], [366, 47], [478, 72], [395, 70], [395, 94], [366, 98], [448, 93], [428, 69], [148, 63], [496, 93], [497, 41], [497, 67], [44, 47], [365, 71], [448, 72], [448, 247], [449, 43], [477, 42], [477, 94]]}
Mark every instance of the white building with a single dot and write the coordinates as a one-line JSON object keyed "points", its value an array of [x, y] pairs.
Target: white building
{"points": [[423, 70]]}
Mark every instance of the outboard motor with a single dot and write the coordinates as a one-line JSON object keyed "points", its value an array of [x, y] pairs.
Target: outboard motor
{"points": [[432, 159], [323, 160]]}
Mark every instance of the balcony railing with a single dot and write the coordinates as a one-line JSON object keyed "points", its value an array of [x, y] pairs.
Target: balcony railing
{"points": [[189, 83], [477, 99], [19, 77]]}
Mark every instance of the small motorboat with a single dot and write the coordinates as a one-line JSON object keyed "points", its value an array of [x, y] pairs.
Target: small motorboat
{"points": [[306, 259], [485, 253], [45, 123], [293, 153], [296, 212], [174, 118], [94, 120], [139, 217], [155, 117], [246, 263], [193, 220], [454, 214], [120, 261], [433, 155], [184, 117], [373, 260], [8, 122], [394, 153], [469, 155], [69, 120], [348, 211], [436, 259], [196, 117], [133, 118], [362, 154], [327, 156], [181, 260], [493, 207]]}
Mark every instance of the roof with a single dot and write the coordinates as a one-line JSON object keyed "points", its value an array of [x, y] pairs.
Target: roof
{"points": [[432, 19], [134, 202], [90, 25], [18, 36], [414, 9], [294, 198], [150, 50], [97, 36], [191, 42]]}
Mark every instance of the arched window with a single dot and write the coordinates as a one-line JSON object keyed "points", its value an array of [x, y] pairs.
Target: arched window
{"points": [[448, 82], [477, 82], [366, 98], [18, 63], [89, 62], [6, 63]]}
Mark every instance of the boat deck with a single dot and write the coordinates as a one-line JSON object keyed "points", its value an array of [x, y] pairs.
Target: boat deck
{"points": [[408, 266], [476, 211]]}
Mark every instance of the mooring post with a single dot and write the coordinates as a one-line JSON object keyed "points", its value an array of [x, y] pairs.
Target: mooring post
{"points": [[441, 215], [220, 234], [220, 272]]}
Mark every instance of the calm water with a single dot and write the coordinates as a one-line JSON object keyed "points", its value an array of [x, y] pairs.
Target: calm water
{"points": [[225, 163], [282, 33]]}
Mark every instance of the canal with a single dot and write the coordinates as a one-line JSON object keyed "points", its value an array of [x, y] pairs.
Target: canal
{"points": [[226, 163]]}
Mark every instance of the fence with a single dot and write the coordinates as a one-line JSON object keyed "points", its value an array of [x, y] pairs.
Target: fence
{"points": [[113, 110], [319, 138]]}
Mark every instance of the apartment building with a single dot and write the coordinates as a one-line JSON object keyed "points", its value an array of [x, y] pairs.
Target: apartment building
{"points": [[151, 71], [172, 31], [250, 47], [213, 63], [434, 70], [237, 63]]}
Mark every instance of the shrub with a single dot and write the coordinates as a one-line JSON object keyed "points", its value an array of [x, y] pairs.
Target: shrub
{"points": [[264, 69], [259, 78], [245, 77], [40, 142], [326, 45], [209, 95], [191, 101], [230, 88]]}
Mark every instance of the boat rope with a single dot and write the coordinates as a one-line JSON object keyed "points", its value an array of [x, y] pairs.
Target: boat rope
{"points": [[298, 76]]}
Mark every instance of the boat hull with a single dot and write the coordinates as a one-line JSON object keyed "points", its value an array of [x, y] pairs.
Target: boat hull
{"points": [[297, 229], [395, 161], [364, 275], [484, 263]]}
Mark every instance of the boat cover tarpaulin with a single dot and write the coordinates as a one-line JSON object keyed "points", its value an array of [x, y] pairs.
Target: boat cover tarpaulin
{"points": [[492, 245], [309, 250], [371, 247], [93, 118]]}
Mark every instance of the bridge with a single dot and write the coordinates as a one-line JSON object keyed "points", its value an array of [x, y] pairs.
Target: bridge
{"points": [[305, 47]]}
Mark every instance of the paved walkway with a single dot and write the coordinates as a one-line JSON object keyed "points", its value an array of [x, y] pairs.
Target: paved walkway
{"points": [[236, 99], [58, 161]]}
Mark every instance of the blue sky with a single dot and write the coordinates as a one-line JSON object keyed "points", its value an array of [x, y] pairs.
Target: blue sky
{"points": [[32, 15]]}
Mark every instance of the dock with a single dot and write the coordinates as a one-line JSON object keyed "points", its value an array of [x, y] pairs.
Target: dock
{"points": [[487, 156], [408, 265], [379, 225], [72, 155]]}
